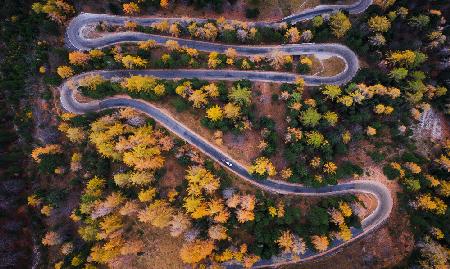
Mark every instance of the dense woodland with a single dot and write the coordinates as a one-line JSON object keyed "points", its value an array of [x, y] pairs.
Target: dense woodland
{"points": [[86, 192]]}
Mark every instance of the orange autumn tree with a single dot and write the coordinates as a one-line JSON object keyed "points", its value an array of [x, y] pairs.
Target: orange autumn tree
{"points": [[320, 243], [164, 3], [196, 251], [131, 8], [78, 58], [286, 241], [48, 149], [64, 71]]}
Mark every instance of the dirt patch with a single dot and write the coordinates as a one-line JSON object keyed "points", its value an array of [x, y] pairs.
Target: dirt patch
{"points": [[161, 250], [369, 202], [276, 110], [332, 66], [327, 66], [174, 175]]}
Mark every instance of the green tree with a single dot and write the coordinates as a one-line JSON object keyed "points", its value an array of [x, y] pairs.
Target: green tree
{"points": [[398, 73], [318, 217], [310, 117], [240, 95], [419, 21]]}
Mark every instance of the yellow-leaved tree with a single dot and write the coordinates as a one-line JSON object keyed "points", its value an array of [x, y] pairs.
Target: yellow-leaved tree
{"points": [[263, 167], [196, 251], [64, 71], [139, 147], [48, 149], [159, 214], [214, 113], [131, 62], [379, 24], [231, 111], [143, 84], [198, 98], [339, 24]]}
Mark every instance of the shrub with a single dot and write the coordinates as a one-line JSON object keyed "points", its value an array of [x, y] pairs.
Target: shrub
{"points": [[347, 169], [376, 156], [179, 104], [104, 89], [303, 68]]}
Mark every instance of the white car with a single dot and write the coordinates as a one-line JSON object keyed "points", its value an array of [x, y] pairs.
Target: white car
{"points": [[227, 163]]}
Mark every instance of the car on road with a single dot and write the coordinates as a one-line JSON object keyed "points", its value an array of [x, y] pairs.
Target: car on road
{"points": [[227, 162]]}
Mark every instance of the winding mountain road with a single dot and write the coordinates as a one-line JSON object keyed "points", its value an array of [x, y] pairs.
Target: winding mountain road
{"points": [[76, 40]]}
